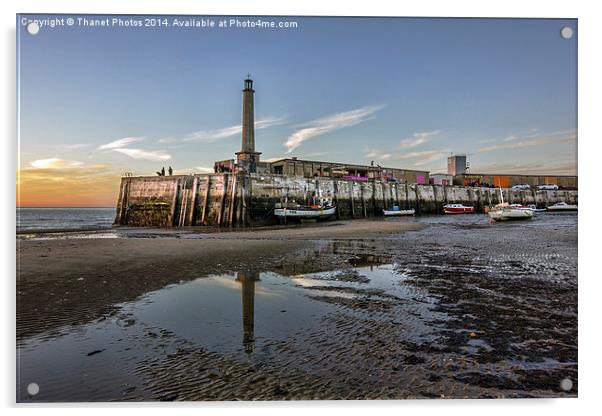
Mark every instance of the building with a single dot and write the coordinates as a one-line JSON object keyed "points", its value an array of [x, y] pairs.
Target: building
{"points": [[441, 179], [456, 165], [508, 180], [312, 168]]}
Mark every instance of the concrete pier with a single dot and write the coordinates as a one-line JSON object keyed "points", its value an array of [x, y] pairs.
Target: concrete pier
{"points": [[242, 200]]}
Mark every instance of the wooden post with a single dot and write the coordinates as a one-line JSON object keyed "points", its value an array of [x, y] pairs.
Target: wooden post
{"points": [[222, 199], [534, 194], [335, 198], [351, 186], [373, 197], [445, 194], [365, 213], [435, 199], [183, 201], [232, 201], [545, 198], [206, 201], [173, 203], [407, 196], [418, 208], [397, 195], [192, 201], [125, 193]]}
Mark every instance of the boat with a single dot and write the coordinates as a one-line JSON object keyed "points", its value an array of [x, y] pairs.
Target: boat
{"points": [[530, 207], [306, 211], [561, 207], [504, 211], [457, 209], [395, 211]]}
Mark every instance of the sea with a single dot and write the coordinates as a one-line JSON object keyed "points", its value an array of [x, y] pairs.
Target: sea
{"points": [[44, 219]]}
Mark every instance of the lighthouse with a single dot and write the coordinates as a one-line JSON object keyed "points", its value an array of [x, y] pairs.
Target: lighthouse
{"points": [[248, 158]]}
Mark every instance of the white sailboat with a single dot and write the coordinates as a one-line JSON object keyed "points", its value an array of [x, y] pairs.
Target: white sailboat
{"points": [[504, 211]]}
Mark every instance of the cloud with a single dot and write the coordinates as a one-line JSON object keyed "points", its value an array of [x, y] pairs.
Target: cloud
{"points": [[57, 182], [211, 136], [75, 146], [55, 163], [377, 154], [118, 144], [415, 155], [485, 141], [418, 139], [328, 124], [151, 155], [204, 169], [541, 141]]}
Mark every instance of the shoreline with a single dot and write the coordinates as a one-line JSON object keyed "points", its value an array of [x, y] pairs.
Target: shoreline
{"points": [[418, 308]]}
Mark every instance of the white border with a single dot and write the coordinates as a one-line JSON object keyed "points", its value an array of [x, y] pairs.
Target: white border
{"points": [[589, 135]]}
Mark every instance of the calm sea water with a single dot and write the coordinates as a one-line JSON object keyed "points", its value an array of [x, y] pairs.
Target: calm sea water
{"points": [[64, 218]]}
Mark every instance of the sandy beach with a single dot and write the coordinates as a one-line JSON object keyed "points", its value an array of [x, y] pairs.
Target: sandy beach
{"points": [[414, 308]]}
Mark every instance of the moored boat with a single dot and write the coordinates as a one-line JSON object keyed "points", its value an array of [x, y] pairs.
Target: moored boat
{"points": [[530, 207], [396, 211], [561, 207], [457, 209], [505, 212], [304, 211]]}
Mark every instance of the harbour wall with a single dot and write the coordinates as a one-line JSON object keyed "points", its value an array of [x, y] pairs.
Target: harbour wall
{"points": [[242, 200]]}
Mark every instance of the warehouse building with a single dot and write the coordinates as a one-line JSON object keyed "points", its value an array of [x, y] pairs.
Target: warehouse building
{"points": [[506, 181], [311, 168]]}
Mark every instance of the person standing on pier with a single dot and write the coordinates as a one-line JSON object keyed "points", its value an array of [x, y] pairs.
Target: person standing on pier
{"points": [[163, 171], [170, 171]]}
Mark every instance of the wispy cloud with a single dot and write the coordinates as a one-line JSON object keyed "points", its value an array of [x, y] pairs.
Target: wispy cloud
{"points": [[418, 138], [121, 146], [485, 141], [211, 136], [150, 155], [75, 146], [55, 163], [540, 141], [328, 124], [120, 143], [377, 154]]}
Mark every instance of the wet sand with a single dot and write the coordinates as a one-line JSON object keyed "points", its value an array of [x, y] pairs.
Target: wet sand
{"points": [[410, 308]]}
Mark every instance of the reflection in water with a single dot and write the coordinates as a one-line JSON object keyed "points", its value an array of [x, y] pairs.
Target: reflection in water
{"points": [[248, 280]]}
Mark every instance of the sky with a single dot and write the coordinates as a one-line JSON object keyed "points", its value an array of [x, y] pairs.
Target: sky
{"points": [[97, 102]]}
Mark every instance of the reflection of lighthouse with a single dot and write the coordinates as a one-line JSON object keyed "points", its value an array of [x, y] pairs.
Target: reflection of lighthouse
{"points": [[248, 280]]}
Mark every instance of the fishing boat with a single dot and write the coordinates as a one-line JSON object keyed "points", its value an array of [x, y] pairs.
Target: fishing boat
{"points": [[396, 211], [457, 209], [561, 207], [306, 211], [504, 211]]}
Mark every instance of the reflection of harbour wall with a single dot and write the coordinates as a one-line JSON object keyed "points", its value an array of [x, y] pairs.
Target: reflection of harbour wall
{"points": [[248, 199]]}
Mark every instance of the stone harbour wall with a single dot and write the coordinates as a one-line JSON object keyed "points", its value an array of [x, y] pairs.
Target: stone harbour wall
{"points": [[248, 199]]}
